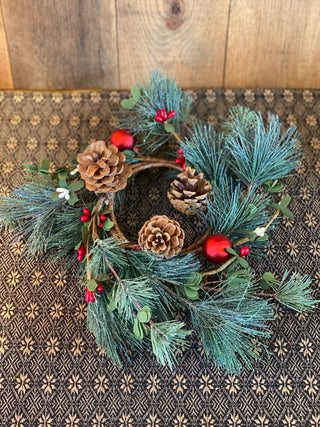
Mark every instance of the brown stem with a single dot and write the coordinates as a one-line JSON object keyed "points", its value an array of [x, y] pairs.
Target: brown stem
{"points": [[195, 247], [218, 270], [177, 136], [155, 164]]}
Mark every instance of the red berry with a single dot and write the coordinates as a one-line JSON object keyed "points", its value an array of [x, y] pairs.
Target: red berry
{"points": [[99, 288], [86, 297], [159, 119], [159, 113], [184, 166], [164, 114], [171, 114], [179, 161], [91, 296], [102, 217], [82, 249], [79, 257], [85, 218], [86, 212], [137, 248], [136, 149], [244, 251], [180, 152], [100, 225]]}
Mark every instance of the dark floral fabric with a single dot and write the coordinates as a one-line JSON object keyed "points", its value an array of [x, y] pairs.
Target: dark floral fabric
{"points": [[51, 372]]}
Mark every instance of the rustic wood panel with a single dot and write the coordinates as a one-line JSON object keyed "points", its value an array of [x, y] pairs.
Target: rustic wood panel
{"points": [[6, 81], [185, 37], [56, 44], [273, 43]]}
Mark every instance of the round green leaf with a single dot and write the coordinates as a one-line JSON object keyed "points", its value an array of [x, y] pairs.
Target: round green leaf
{"points": [[128, 103]]}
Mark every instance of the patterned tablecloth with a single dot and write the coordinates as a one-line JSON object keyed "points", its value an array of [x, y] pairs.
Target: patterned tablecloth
{"points": [[51, 372]]}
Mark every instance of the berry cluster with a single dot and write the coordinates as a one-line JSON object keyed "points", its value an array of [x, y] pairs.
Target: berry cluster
{"points": [[87, 217], [162, 116], [90, 295], [81, 252], [181, 159]]}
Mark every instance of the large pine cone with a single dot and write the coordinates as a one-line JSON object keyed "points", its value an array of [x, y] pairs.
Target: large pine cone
{"points": [[190, 192], [103, 168], [161, 235]]}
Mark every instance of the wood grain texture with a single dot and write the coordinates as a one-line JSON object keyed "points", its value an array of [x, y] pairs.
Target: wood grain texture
{"points": [[6, 81], [273, 43], [184, 37], [56, 44]]}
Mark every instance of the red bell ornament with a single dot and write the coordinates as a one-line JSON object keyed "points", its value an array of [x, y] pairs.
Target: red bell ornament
{"points": [[214, 248], [122, 139]]}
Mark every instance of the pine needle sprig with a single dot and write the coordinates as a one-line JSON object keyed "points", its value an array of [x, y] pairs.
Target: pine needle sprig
{"points": [[234, 213], [31, 213], [229, 321], [111, 333], [175, 336], [258, 153], [111, 249], [158, 92], [128, 294], [295, 292], [204, 150]]}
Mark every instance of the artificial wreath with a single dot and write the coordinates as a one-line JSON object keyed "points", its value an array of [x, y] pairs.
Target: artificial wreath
{"points": [[228, 180]]}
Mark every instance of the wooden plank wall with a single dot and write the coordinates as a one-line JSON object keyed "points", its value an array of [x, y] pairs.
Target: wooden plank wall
{"points": [[54, 44]]}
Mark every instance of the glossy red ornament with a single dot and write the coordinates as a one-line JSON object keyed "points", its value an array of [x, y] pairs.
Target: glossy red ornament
{"points": [[214, 248], [122, 139], [86, 212], [85, 218], [244, 251], [99, 288]]}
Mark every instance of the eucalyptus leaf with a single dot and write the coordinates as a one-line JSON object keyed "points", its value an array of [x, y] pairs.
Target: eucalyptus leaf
{"points": [[92, 285], [45, 164], [78, 245], [231, 251], [111, 306], [108, 224], [73, 198], [128, 103], [63, 183], [168, 127], [135, 92], [76, 185], [63, 174]]}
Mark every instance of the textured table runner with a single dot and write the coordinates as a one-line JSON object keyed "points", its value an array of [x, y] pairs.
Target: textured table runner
{"points": [[51, 372]]}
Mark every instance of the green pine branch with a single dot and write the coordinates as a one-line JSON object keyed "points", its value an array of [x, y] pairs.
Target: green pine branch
{"points": [[295, 292], [157, 92], [257, 152]]}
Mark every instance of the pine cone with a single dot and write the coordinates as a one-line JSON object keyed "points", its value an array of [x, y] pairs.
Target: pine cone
{"points": [[161, 235], [190, 192], [103, 168]]}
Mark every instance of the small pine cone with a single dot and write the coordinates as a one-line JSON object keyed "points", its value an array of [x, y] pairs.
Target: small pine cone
{"points": [[103, 168], [190, 192], [161, 235]]}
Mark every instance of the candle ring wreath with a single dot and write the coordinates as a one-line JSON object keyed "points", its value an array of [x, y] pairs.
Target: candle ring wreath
{"points": [[133, 289]]}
